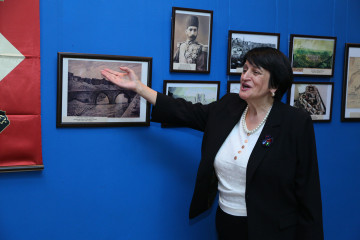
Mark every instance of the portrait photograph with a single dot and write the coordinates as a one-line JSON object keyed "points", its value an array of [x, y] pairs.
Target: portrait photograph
{"points": [[241, 42], [190, 40], [350, 108], [312, 55], [87, 99], [314, 97], [233, 87]]}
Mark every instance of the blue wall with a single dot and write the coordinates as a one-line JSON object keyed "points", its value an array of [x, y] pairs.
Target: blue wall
{"points": [[137, 182]]}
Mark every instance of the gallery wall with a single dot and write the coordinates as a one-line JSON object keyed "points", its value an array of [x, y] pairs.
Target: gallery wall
{"points": [[137, 182]]}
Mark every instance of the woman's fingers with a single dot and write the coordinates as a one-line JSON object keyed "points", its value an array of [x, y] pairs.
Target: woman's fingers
{"points": [[129, 72], [126, 69], [107, 74], [111, 71]]}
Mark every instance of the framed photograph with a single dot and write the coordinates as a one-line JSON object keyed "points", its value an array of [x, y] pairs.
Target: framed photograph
{"points": [[86, 99], [350, 107], [241, 42], [233, 86], [312, 55], [314, 97], [203, 92], [190, 40]]}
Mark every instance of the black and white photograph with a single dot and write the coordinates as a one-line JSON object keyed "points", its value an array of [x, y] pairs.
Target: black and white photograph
{"points": [[87, 99], [240, 42], [350, 107], [233, 87], [314, 97], [191, 40]]}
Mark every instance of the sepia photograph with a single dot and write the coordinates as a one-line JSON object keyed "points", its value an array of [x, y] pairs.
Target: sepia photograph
{"points": [[240, 42], [314, 97], [86, 98], [190, 40], [233, 87], [350, 108], [312, 55]]}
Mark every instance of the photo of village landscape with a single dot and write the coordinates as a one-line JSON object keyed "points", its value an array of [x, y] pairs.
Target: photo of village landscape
{"points": [[241, 42], [312, 55], [203, 92]]}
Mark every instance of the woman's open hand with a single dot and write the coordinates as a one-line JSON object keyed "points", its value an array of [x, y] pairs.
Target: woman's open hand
{"points": [[126, 79]]}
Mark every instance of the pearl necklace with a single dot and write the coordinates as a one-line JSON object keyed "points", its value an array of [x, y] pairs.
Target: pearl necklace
{"points": [[255, 129]]}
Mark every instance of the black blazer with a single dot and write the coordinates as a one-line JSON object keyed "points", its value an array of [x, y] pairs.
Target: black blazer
{"points": [[282, 180]]}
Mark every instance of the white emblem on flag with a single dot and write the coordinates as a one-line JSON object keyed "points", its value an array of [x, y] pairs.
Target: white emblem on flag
{"points": [[10, 57]]}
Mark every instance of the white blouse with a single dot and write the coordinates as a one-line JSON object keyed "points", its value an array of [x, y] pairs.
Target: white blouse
{"points": [[230, 167]]}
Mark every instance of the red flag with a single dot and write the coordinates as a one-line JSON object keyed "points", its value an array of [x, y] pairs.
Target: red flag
{"points": [[20, 123]]}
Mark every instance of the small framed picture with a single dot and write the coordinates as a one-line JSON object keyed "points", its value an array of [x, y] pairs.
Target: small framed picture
{"points": [[203, 92], [312, 55], [314, 97], [86, 99], [241, 42], [233, 86], [191, 40], [350, 107]]}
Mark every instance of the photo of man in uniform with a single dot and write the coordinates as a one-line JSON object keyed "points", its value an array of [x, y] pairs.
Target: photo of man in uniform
{"points": [[191, 54]]}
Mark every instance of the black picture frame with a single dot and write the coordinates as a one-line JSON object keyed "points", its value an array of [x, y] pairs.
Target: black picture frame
{"points": [[240, 42], [198, 57], [350, 102], [233, 86], [203, 92], [86, 99], [315, 97], [312, 55]]}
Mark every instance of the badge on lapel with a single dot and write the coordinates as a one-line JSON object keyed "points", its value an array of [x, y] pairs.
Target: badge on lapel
{"points": [[267, 141]]}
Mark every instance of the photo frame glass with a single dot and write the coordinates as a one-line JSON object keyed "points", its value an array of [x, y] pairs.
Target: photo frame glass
{"points": [[87, 99], [351, 84], [312, 55], [191, 40], [314, 97], [241, 42]]}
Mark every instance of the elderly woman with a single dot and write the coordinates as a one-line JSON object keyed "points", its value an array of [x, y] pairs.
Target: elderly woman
{"points": [[258, 153]]}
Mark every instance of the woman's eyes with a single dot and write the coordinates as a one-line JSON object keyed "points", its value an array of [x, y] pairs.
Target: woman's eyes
{"points": [[255, 72]]}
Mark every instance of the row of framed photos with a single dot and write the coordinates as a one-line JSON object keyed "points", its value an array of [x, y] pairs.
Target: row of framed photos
{"points": [[191, 51], [314, 97], [86, 99]]}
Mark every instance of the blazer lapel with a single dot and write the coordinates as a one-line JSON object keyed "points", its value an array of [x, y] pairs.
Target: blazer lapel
{"points": [[227, 124], [271, 129]]}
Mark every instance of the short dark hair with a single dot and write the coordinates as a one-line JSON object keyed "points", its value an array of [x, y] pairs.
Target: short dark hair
{"points": [[273, 60]]}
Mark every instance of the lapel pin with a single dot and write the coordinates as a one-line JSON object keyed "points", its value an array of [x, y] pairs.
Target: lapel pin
{"points": [[267, 141]]}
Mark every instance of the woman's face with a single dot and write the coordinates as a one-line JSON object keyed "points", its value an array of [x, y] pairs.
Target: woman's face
{"points": [[255, 83]]}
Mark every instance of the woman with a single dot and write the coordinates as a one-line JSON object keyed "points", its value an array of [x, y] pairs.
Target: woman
{"points": [[257, 152]]}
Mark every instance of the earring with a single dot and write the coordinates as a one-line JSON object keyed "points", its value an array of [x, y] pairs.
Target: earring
{"points": [[273, 94]]}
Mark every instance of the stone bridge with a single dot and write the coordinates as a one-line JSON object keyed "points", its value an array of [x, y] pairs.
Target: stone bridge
{"points": [[91, 96]]}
